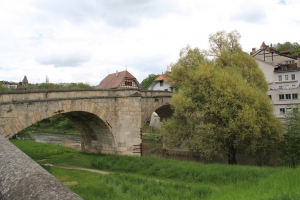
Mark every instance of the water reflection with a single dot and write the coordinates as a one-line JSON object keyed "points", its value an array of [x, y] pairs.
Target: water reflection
{"points": [[59, 139]]}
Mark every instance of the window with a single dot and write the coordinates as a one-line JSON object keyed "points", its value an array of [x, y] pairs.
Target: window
{"points": [[295, 96], [287, 87], [282, 111], [161, 83], [286, 77], [293, 76], [281, 96], [287, 110], [128, 83], [279, 78], [293, 86], [280, 87], [283, 68], [270, 97], [287, 96]]}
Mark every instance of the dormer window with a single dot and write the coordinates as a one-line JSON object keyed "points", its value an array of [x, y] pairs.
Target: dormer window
{"points": [[283, 68], [161, 83], [128, 83]]}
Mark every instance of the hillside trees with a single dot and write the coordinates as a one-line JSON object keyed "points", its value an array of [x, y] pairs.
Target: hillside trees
{"points": [[3, 87], [290, 149], [294, 47], [221, 103], [147, 81]]}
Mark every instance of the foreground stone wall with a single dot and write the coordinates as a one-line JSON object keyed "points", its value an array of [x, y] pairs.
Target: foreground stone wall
{"points": [[22, 178]]}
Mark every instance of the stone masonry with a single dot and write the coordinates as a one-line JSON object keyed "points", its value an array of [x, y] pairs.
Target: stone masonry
{"points": [[110, 121], [22, 178]]}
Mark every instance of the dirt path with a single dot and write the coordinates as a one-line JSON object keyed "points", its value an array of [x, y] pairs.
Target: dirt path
{"points": [[78, 168]]}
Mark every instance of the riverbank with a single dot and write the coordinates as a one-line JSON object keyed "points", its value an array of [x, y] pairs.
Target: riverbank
{"points": [[158, 178], [55, 131]]}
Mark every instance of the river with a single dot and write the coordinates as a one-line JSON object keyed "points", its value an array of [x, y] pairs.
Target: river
{"points": [[59, 139]]}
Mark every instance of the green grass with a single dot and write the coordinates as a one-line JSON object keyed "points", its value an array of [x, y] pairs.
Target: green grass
{"points": [[156, 178]]}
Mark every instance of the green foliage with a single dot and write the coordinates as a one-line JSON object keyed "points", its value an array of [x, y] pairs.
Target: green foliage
{"points": [[156, 178], [79, 86], [227, 52], [294, 48], [3, 87], [25, 135], [55, 124], [61, 122], [147, 81], [53, 86], [39, 151], [44, 86], [221, 103], [290, 149]]}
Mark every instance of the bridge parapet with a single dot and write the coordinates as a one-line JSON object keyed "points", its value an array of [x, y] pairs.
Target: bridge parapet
{"points": [[22, 178], [31, 95]]}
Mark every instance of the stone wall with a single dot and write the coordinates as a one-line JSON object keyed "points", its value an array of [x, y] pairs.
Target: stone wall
{"points": [[109, 120], [22, 178]]}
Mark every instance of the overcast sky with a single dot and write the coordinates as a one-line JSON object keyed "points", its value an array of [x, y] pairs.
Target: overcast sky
{"points": [[84, 40]]}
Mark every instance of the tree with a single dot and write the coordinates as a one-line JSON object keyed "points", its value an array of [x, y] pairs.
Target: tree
{"points": [[3, 87], [294, 48], [147, 81], [219, 106], [290, 148]]}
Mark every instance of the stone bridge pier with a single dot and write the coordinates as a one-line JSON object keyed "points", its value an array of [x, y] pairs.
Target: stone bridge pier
{"points": [[109, 121]]}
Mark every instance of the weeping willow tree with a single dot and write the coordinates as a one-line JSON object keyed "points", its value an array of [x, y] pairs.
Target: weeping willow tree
{"points": [[220, 103]]}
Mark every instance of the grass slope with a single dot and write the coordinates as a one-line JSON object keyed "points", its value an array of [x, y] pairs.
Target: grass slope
{"points": [[155, 178]]}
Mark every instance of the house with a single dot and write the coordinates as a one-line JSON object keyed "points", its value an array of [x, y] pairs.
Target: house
{"points": [[119, 80], [160, 83], [10, 84], [282, 72], [21, 87]]}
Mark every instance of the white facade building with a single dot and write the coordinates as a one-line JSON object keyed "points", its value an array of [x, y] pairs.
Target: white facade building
{"points": [[160, 83], [282, 72]]}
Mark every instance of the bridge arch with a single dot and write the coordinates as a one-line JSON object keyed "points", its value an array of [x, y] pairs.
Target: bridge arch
{"points": [[88, 117], [161, 106], [118, 113]]}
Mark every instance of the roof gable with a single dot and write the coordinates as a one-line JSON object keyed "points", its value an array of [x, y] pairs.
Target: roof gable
{"points": [[162, 77], [113, 81]]}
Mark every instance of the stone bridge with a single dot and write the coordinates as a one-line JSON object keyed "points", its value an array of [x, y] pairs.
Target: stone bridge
{"points": [[109, 121]]}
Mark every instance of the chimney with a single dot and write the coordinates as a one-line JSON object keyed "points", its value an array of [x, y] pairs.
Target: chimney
{"points": [[253, 51], [117, 73]]}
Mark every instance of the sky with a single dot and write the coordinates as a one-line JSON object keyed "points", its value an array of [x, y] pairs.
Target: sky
{"points": [[85, 40]]}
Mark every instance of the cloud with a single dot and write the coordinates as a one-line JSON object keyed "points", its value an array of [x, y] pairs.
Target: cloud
{"points": [[282, 2], [156, 63], [72, 59], [250, 13], [116, 13]]}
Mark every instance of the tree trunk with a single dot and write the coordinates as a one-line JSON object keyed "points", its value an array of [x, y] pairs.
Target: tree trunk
{"points": [[231, 155]]}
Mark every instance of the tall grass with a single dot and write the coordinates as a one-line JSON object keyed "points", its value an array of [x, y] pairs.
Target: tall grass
{"points": [[157, 178], [180, 170]]}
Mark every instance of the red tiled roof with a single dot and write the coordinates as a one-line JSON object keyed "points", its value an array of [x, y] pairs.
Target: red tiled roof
{"points": [[161, 78], [21, 87], [112, 81]]}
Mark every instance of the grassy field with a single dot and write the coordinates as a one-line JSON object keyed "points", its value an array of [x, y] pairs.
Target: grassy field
{"points": [[157, 178]]}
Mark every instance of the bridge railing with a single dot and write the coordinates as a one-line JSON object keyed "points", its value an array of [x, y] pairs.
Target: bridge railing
{"points": [[30, 95]]}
